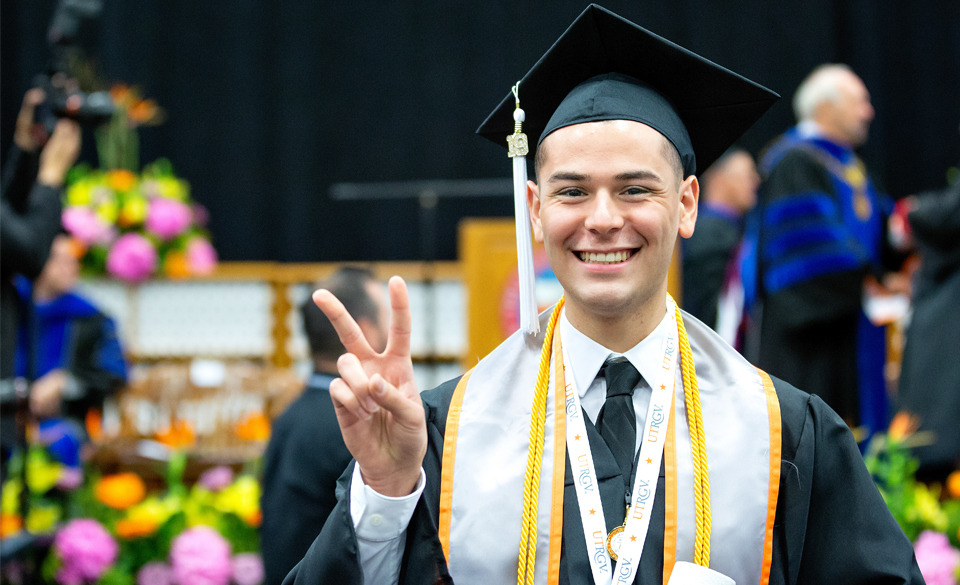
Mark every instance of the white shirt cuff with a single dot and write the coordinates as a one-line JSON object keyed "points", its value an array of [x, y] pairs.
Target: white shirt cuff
{"points": [[379, 518]]}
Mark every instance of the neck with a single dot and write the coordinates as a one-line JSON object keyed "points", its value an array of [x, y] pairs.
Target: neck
{"points": [[43, 293], [623, 331], [826, 131], [724, 207], [324, 366]]}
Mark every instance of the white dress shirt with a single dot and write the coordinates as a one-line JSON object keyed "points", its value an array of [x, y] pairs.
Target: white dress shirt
{"points": [[381, 521]]}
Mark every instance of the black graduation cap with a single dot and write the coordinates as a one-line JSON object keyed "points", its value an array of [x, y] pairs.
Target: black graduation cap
{"points": [[633, 74]]}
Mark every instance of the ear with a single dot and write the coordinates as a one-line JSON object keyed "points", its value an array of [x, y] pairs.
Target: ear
{"points": [[533, 204], [689, 196]]}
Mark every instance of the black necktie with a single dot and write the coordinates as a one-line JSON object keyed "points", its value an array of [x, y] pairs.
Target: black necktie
{"points": [[617, 421]]}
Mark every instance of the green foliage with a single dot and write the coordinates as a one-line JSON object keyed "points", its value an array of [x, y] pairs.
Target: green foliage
{"points": [[914, 505]]}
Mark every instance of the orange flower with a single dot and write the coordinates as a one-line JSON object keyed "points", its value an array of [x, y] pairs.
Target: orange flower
{"points": [[94, 424], [180, 434], [121, 490], [254, 518], [143, 111], [130, 529], [256, 427], [176, 265], [902, 426], [121, 179], [953, 484], [10, 524], [121, 94]]}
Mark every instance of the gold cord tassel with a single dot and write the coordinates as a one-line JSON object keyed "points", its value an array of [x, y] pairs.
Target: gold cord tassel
{"points": [[698, 442], [531, 481]]}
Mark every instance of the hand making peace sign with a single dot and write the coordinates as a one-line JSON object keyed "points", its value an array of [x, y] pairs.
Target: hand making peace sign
{"points": [[376, 399]]}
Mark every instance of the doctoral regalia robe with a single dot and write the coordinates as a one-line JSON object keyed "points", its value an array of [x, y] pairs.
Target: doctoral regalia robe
{"points": [[830, 526], [822, 231]]}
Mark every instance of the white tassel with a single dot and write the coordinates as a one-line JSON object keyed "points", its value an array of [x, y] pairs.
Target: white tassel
{"points": [[517, 149], [526, 278]]}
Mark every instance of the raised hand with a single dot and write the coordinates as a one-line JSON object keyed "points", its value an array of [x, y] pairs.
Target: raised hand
{"points": [[60, 153], [376, 399]]}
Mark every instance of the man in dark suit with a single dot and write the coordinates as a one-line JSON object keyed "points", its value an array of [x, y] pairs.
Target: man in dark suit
{"points": [[306, 453]]}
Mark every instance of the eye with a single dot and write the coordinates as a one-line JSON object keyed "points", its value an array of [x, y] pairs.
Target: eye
{"points": [[635, 191], [572, 192]]}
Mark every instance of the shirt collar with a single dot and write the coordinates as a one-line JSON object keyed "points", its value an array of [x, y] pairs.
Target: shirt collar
{"points": [[587, 356]]}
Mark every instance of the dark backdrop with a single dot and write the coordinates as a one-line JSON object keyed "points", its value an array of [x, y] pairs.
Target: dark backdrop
{"points": [[271, 102]]}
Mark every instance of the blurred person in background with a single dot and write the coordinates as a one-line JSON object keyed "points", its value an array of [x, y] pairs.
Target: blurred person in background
{"points": [[821, 242], [69, 348], [30, 219], [712, 289], [306, 454], [929, 384]]}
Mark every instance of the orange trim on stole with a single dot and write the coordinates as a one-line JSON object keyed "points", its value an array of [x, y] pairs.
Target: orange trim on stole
{"points": [[773, 410], [670, 496], [559, 463], [449, 456]]}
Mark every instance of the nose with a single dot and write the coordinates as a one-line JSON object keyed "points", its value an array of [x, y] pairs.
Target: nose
{"points": [[603, 215]]}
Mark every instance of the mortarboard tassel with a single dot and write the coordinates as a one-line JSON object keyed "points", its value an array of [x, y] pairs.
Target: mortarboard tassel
{"points": [[517, 149]]}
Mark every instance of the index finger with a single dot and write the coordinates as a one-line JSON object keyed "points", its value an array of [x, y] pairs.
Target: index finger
{"points": [[398, 340], [347, 329]]}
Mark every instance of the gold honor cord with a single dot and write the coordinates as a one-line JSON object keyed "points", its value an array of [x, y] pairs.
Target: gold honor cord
{"points": [[698, 443], [531, 482]]}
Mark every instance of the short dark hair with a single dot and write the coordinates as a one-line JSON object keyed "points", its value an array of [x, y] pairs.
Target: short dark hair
{"points": [[667, 150], [349, 285]]}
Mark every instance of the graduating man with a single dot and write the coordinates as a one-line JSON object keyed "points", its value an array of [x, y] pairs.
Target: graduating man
{"points": [[527, 468], [821, 238]]}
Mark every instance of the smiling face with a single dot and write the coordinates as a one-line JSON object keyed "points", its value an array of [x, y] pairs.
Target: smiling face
{"points": [[608, 210]]}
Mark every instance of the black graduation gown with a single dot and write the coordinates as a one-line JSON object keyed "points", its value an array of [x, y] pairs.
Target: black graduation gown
{"points": [[706, 256], [831, 526], [305, 457], [930, 384]]}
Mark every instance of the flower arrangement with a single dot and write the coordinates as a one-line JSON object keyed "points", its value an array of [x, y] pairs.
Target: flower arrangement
{"points": [[929, 515], [110, 530], [134, 226]]}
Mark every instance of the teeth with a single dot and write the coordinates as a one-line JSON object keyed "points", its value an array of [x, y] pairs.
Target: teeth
{"points": [[608, 258]]}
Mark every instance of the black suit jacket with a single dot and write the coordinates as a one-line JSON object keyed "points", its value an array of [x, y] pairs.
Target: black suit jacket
{"points": [[305, 457]]}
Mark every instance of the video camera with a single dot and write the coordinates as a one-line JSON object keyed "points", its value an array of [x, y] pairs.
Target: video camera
{"points": [[64, 96]]}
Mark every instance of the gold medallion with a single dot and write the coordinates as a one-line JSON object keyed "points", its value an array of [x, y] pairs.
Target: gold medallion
{"points": [[614, 539]]}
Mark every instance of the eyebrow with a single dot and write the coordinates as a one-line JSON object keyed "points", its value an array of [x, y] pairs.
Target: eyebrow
{"points": [[568, 176], [637, 176]]}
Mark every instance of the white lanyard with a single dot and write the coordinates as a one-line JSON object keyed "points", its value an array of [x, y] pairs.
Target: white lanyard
{"points": [[648, 469]]}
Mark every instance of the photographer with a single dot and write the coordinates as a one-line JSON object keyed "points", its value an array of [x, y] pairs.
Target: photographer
{"points": [[29, 221]]}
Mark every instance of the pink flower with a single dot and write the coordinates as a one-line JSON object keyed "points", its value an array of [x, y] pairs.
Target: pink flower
{"points": [[155, 573], [201, 256], [70, 478], [86, 551], [168, 218], [86, 226], [132, 258], [200, 215], [216, 478], [200, 556], [938, 560], [247, 569]]}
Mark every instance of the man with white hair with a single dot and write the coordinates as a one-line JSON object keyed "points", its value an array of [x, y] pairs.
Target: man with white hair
{"points": [[820, 243]]}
